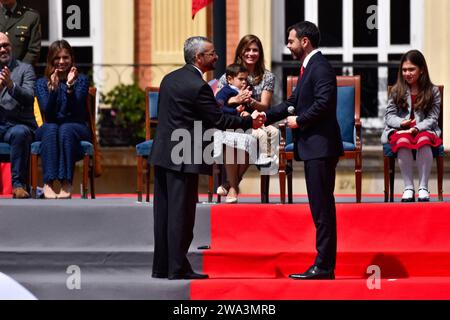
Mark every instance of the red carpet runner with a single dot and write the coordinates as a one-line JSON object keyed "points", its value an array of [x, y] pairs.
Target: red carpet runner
{"points": [[255, 247]]}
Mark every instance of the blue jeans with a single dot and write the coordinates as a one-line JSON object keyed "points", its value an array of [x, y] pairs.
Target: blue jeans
{"points": [[19, 137]]}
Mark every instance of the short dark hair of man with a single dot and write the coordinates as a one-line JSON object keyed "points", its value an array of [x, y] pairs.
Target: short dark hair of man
{"points": [[307, 29], [234, 69]]}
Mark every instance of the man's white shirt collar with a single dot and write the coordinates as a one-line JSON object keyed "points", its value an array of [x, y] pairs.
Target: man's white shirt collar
{"points": [[308, 57], [201, 73]]}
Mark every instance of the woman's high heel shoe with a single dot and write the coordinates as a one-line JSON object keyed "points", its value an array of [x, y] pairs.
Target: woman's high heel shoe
{"points": [[222, 191], [49, 193], [66, 191], [232, 198]]}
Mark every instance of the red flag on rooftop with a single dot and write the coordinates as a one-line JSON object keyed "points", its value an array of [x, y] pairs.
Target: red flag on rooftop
{"points": [[198, 5]]}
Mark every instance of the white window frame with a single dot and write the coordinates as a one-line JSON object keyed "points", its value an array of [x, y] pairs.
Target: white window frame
{"points": [[383, 50], [95, 40]]}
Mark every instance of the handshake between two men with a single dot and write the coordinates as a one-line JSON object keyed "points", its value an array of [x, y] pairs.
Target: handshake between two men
{"points": [[259, 118], [244, 98]]}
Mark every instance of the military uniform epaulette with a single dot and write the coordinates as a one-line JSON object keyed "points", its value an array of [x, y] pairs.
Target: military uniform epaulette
{"points": [[23, 31]]}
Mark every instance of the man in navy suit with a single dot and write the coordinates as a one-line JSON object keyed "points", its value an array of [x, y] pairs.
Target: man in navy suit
{"points": [[317, 140], [184, 99]]}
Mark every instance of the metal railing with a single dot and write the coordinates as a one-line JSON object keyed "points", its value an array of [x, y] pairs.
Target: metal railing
{"points": [[110, 75]]}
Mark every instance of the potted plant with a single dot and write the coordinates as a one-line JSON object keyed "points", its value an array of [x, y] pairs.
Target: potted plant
{"points": [[124, 123]]}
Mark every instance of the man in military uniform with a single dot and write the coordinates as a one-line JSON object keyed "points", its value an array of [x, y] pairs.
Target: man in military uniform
{"points": [[23, 27]]}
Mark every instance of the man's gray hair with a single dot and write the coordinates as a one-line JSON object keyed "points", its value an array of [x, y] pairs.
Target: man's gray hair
{"points": [[193, 46]]}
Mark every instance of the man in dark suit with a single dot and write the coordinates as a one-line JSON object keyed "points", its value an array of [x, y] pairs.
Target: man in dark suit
{"points": [[17, 121], [186, 104], [317, 140], [23, 27]]}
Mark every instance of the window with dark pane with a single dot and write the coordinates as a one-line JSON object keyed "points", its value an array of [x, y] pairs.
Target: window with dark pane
{"points": [[294, 12], [400, 21], [393, 71], [365, 33], [83, 60], [40, 6], [336, 62], [40, 67], [330, 23], [369, 83], [76, 17]]}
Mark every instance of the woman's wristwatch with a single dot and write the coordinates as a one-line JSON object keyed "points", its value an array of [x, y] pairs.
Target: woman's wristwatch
{"points": [[70, 86]]}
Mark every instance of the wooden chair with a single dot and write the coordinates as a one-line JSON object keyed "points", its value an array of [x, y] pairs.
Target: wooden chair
{"points": [[348, 114], [389, 160], [89, 152], [144, 149]]}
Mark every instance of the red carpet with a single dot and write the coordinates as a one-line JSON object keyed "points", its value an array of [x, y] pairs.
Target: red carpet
{"points": [[433, 288], [260, 245]]}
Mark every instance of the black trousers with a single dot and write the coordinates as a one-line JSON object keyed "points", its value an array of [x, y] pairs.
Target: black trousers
{"points": [[320, 176], [175, 201]]}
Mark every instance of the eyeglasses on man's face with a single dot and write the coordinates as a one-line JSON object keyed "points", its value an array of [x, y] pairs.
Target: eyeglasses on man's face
{"points": [[211, 54], [5, 45]]}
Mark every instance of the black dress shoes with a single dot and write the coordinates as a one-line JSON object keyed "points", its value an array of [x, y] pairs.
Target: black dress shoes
{"points": [[313, 273], [159, 275], [189, 276]]}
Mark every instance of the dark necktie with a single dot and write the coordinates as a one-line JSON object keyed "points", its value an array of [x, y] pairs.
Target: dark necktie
{"points": [[8, 14]]}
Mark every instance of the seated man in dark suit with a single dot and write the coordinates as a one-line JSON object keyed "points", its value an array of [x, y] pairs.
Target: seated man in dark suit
{"points": [[17, 122]]}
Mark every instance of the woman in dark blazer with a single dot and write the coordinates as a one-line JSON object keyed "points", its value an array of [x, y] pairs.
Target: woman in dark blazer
{"points": [[62, 96]]}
